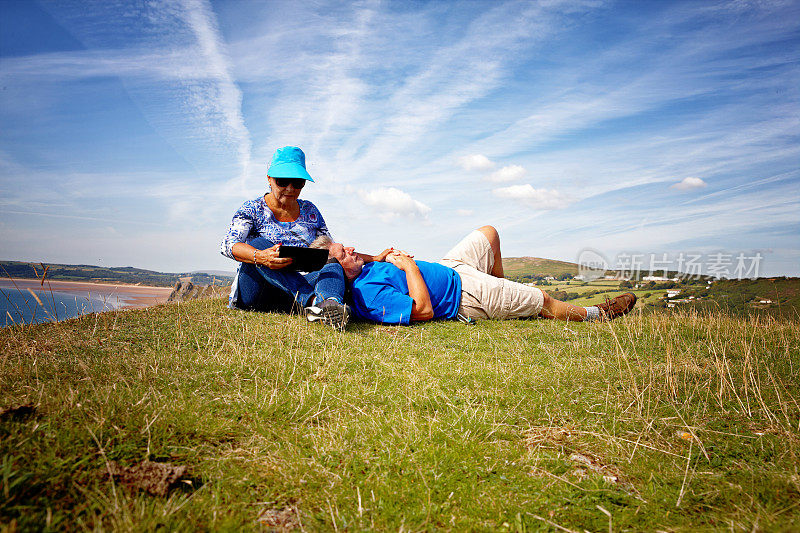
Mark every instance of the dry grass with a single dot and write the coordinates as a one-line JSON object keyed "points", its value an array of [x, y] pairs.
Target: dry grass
{"points": [[672, 422]]}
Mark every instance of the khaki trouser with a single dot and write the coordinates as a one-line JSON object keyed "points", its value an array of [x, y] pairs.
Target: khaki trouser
{"points": [[483, 295]]}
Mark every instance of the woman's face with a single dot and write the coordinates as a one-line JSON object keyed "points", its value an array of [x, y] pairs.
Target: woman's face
{"points": [[286, 194]]}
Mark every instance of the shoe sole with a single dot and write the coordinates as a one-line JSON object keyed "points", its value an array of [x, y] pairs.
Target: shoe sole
{"points": [[334, 317]]}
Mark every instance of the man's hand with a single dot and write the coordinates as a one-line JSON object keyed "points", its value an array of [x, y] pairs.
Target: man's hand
{"points": [[421, 309], [401, 260], [269, 258]]}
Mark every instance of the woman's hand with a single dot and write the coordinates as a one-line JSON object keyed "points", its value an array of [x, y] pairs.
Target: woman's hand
{"points": [[382, 256], [269, 258]]}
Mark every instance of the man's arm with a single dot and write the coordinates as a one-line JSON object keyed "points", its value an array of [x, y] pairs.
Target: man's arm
{"points": [[375, 258], [381, 256], [421, 309]]}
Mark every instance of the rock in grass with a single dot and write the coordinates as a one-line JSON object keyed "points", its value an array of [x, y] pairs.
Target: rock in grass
{"points": [[185, 291], [286, 519], [18, 412], [155, 478]]}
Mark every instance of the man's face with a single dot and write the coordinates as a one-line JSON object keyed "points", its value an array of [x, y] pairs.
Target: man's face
{"points": [[348, 258]]}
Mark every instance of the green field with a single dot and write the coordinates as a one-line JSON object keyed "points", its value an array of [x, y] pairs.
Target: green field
{"points": [[660, 421], [729, 296]]}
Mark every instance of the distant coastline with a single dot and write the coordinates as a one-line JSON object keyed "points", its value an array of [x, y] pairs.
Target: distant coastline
{"points": [[120, 295], [108, 275]]}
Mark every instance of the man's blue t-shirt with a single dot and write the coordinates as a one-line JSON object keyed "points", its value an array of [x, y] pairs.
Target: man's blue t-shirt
{"points": [[380, 293]]}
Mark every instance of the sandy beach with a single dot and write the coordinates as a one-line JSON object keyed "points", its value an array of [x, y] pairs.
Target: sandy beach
{"points": [[119, 295]]}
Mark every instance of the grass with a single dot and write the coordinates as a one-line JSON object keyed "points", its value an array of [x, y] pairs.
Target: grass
{"points": [[653, 422]]}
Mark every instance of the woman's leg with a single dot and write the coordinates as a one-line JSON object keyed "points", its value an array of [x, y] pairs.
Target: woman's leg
{"points": [[261, 288], [328, 305], [328, 282], [254, 293]]}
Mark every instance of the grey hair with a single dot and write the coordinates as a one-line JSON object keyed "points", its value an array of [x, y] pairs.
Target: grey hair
{"points": [[323, 241]]}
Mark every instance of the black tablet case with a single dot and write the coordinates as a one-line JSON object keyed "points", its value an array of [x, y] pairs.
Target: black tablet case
{"points": [[304, 259]]}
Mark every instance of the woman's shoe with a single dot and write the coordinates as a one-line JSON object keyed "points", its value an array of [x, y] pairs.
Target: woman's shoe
{"points": [[330, 312]]}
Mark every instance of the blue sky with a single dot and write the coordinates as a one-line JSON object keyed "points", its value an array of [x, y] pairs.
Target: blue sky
{"points": [[130, 132]]}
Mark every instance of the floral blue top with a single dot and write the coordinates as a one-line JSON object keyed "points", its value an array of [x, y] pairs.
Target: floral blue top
{"points": [[255, 219]]}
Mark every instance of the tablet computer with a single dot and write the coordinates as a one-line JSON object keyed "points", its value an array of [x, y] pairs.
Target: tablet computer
{"points": [[304, 259]]}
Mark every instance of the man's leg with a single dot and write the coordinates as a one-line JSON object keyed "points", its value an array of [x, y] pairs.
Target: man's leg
{"points": [[484, 298], [556, 309], [494, 241], [551, 308]]}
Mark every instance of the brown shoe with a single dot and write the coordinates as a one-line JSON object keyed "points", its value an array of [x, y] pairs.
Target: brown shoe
{"points": [[618, 306]]}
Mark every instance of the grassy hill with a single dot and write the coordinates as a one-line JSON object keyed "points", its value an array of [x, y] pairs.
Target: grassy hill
{"points": [[783, 295], [664, 421], [95, 274], [519, 267], [773, 296]]}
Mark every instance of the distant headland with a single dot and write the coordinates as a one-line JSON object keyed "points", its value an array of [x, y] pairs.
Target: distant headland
{"points": [[116, 275]]}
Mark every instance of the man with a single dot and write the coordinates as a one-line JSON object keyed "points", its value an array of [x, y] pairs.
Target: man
{"points": [[468, 282]]}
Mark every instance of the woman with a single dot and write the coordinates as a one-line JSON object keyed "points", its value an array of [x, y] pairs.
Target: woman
{"points": [[254, 238]]}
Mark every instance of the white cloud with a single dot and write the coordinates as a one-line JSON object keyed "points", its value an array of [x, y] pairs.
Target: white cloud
{"points": [[376, 96], [540, 199], [160, 66], [509, 173], [392, 202], [688, 184], [475, 162], [200, 17]]}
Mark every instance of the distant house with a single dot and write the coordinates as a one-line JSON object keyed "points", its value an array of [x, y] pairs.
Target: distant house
{"points": [[671, 293], [658, 278]]}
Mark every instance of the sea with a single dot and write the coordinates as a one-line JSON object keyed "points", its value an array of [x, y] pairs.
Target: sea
{"points": [[55, 303]]}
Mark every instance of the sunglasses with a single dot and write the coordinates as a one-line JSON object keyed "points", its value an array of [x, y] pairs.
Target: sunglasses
{"points": [[297, 183]]}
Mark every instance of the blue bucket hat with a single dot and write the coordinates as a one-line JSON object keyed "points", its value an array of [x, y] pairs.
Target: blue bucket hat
{"points": [[289, 162]]}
